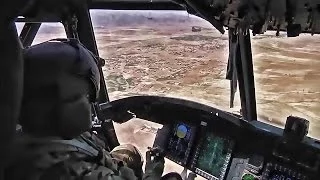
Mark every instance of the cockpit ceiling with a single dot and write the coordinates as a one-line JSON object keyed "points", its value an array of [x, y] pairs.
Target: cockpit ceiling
{"points": [[293, 16], [135, 1], [142, 1], [136, 4]]}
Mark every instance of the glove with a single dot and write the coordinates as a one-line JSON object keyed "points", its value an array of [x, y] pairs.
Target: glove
{"points": [[127, 173], [154, 167]]}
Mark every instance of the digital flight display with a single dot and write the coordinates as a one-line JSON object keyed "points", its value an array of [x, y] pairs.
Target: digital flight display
{"points": [[214, 157], [180, 143]]}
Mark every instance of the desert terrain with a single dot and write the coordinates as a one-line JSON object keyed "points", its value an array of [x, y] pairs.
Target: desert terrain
{"points": [[158, 54]]}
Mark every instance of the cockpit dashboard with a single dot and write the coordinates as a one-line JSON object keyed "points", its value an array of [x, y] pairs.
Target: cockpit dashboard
{"points": [[218, 145], [217, 156]]}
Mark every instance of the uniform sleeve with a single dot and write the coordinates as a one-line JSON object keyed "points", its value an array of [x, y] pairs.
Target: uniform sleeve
{"points": [[103, 173]]}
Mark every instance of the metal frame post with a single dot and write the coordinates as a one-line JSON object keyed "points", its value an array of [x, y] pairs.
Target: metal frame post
{"points": [[86, 36], [28, 33], [245, 76]]}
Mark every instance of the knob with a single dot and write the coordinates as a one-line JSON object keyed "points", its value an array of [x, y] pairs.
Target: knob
{"points": [[296, 128], [248, 177]]}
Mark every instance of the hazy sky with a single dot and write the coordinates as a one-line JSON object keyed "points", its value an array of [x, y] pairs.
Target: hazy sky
{"points": [[115, 15]]}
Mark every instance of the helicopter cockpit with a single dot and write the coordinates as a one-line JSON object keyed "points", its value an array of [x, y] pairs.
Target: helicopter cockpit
{"points": [[210, 142]]}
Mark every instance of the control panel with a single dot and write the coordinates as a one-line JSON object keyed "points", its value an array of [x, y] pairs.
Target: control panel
{"points": [[254, 168], [212, 155], [246, 168], [216, 144], [202, 151], [279, 172]]}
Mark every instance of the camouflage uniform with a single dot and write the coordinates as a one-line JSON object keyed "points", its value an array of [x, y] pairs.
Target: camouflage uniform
{"points": [[53, 158]]}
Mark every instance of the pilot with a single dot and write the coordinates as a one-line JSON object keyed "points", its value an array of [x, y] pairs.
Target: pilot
{"points": [[61, 81]]}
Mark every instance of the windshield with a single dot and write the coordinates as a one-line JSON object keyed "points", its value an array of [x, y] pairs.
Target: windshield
{"points": [[171, 53], [164, 53], [287, 73]]}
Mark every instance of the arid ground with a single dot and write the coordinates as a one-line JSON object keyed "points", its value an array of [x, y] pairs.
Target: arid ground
{"points": [[163, 57]]}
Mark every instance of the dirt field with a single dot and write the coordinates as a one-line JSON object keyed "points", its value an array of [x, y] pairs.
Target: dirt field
{"points": [[171, 60], [192, 65], [287, 77]]}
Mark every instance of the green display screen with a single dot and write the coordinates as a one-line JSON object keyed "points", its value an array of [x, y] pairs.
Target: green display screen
{"points": [[215, 154]]}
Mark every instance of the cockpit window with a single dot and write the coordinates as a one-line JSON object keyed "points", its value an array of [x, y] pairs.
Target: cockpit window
{"points": [[49, 31], [19, 26], [175, 54], [165, 53], [287, 78], [46, 32]]}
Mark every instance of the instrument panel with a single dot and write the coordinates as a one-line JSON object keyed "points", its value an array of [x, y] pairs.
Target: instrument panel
{"points": [[198, 136], [278, 172], [213, 156], [204, 152]]}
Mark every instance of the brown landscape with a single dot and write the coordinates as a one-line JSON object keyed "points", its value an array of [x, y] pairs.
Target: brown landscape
{"points": [[159, 55]]}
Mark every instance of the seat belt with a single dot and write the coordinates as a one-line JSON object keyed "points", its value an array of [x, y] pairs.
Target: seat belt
{"points": [[83, 147]]}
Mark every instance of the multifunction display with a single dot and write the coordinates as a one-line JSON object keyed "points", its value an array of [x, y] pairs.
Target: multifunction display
{"points": [[180, 143], [214, 156]]}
